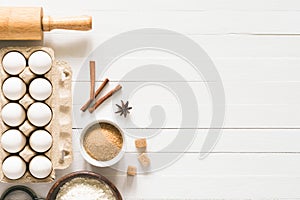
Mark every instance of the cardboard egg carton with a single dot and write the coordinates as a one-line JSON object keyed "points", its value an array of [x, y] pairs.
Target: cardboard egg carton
{"points": [[60, 127]]}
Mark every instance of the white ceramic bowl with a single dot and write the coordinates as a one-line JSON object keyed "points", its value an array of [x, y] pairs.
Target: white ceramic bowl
{"points": [[93, 161]]}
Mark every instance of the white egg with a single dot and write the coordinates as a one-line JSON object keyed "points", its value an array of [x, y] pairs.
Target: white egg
{"points": [[14, 88], [13, 114], [13, 141], [40, 62], [39, 114], [40, 167], [40, 141], [13, 167], [40, 89], [14, 63]]}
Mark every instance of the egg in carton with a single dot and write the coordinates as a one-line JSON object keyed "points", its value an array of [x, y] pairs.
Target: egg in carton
{"points": [[36, 115]]}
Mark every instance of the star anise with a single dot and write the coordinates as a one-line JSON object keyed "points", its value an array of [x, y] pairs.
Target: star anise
{"points": [[123, 109]]}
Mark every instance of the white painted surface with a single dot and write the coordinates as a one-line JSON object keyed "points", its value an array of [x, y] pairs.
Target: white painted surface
{"points": [[255, 46]]}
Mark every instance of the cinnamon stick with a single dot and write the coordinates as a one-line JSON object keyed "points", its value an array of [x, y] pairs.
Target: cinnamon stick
{"points": [[92, 77], [102, 99], [87, 104], [92, 86], [101, 87]]}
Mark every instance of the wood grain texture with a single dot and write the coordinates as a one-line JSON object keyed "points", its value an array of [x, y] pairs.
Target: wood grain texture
{"points": [[21, 23], [28, 23], [80, 23]]}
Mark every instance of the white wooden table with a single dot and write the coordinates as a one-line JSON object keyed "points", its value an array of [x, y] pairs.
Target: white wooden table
{"points": [[255, 46]]}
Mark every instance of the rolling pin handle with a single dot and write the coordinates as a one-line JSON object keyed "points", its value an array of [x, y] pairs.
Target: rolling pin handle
{"points": [[80, 23]]}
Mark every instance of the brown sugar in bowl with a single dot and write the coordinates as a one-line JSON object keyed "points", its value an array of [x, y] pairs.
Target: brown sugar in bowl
{"points": [[102, 143]]}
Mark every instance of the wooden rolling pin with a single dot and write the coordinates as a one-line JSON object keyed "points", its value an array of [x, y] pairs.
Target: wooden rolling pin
{"points": [[28, 23]]}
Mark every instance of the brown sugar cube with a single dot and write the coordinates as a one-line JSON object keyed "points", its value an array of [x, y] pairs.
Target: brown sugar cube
{"points": [[141, 143], [131, 170], [144, 160]]}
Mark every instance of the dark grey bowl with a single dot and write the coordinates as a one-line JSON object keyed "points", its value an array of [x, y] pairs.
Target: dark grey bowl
{"points": [[81, 174]]}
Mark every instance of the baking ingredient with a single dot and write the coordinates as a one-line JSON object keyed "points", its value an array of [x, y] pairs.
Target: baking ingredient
{"points": [[39, 114], [13, 114], [92, 77], [103, 141], [14, 62], [93, 94], [98, 91], [40, 167], [105, 97], [14, 88], [92, 86], [141, 143], [144, 160], [124, 108], [40, 141], [40, 89], [13, 141], [13, 167], [131, 170], [40, 62], [85, 188]]}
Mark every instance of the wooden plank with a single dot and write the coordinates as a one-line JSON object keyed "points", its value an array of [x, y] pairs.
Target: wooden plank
{"points": [[216, 46], [237, 116], [166, 5], [248, 105], [230, 69], [220, 22], [224, 176], [237, 93], [231, 140], [191, 5], [199, 187]]}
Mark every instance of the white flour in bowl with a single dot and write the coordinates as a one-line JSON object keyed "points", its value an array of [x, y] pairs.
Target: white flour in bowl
{"points": [[85, 188]]}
